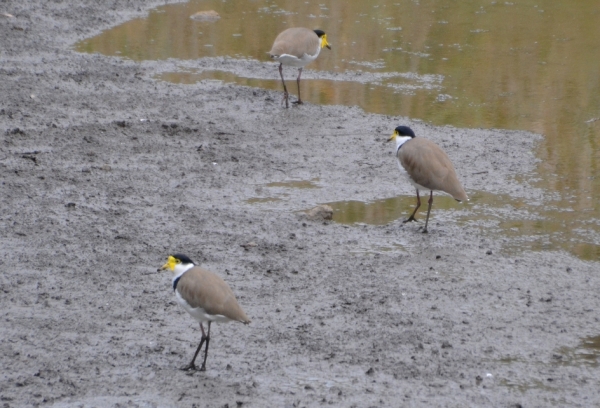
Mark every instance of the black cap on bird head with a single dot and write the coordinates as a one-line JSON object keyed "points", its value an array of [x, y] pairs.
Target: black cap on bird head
{"points": [[321, 34], [404, 131], [183, 258]]}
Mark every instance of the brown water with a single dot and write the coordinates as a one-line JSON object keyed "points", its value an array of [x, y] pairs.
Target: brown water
{"points": [[531, 65], [519, 223], [381, 212], [587, 352], [262, 200]]}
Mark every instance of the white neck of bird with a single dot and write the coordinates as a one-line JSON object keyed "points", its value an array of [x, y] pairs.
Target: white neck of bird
{"points": [[319, 47], [400, 140], [180, 269]]}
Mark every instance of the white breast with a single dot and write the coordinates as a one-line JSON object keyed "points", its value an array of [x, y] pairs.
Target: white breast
{"points": [[293, 61]]}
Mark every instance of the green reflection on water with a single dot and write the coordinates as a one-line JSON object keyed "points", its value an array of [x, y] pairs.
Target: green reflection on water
{"points": [[517, 65]]}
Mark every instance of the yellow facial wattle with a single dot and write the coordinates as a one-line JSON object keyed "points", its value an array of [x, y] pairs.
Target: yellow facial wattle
{"points": [[171, 262]]}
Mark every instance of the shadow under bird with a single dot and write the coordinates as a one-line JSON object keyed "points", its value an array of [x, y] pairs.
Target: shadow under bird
{"points": [[205, 296], [297, 47], [427, 167]]}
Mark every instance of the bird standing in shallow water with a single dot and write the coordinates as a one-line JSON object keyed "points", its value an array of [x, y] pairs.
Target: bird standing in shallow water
{"points": [[427, 167], [297, 47], [205, 296]]}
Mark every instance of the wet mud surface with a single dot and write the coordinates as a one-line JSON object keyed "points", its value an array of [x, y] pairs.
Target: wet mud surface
{"points": [[106, 170]]}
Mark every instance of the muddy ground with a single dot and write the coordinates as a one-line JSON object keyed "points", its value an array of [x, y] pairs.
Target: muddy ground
{"points": [[106, 170]]}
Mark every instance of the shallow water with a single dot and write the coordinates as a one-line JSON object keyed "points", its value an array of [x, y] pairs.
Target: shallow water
{"points": [[519, 223], [587, 352], [526, 65]]}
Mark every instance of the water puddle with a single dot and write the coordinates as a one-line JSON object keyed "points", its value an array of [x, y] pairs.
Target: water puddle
{"points": [[279, 188], [586, 353], [322, 91], [518, 223], [302, 184], [523, 386], [468, 64], [380, 249], [381, 212], [262, 200]]}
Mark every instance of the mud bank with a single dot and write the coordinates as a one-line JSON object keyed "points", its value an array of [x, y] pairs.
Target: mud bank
{"points": [[106, 170]]}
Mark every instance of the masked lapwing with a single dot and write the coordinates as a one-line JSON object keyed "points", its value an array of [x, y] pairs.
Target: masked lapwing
{"points": [[205, 296], [427, 167], [297, 47]]}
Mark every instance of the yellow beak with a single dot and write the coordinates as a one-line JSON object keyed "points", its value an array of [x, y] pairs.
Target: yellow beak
{"points": [[392, 137], [324, 42]]}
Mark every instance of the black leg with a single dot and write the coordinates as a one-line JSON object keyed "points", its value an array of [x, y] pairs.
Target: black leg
{"points": [[285, 92], [203, 368], [428, 211], [192, 365], [299, 101], [412, 216]]}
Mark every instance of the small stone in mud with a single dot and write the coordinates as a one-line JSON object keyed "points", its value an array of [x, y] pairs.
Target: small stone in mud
{"points": [[370, 371], [249, 245], [438, 257], [320, 212], [569, 269], [70, 205], [488, 252], [446, 344], [207, 15]]}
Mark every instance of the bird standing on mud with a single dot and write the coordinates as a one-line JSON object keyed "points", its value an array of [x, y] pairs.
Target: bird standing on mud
{"points": [[297, 47], [205, 296], [427, 167]]}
